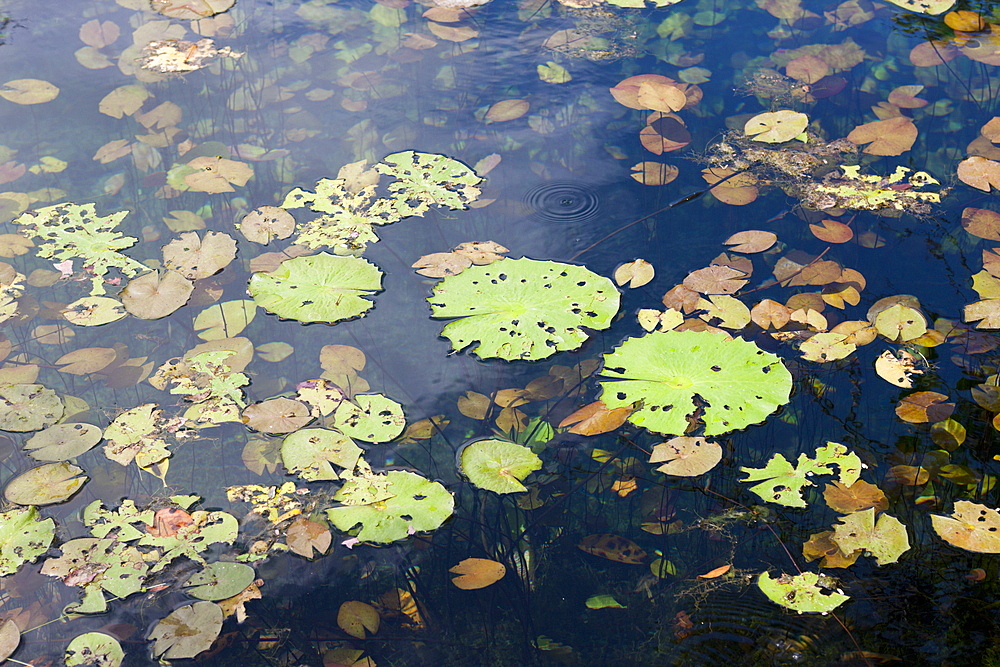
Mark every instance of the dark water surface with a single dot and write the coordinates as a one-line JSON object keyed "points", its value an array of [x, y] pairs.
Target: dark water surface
{"points": [[320, 85]]}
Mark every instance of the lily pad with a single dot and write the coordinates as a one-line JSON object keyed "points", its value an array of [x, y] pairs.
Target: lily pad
{"points": [[277, 415], [46, 484], [686, 456], [24, 536], [187, 631], [28, 91], [430, 178], [94, 648], [63, 441], [318, 288], [775, 127], [664, 371], [219, 580], [155, 295], [807, 592], [28, 407], [497, 465], [266, 223], [783, 483], [370, 417], [971, 526], [885, 540], [93, 311], [312, 452], [196, 258], [414, 504], [523, 308]]}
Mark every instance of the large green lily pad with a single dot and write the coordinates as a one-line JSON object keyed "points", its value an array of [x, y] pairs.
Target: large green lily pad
{"points": [[24, 536], [664, 371], [219, 580], [318, 288], [497, 465], [415, 504], [807, 592], [370, 417], [523, 308], [28, 407]]}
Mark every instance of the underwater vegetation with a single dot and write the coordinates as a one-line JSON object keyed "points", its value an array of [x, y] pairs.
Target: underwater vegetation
{"points": [[293, 375]]}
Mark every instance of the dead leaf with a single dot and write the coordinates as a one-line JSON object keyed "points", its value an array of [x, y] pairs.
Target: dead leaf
{"points": [[859, 496], [923, 407], [507, 110], [751, 241], [477, 573], [894, 136], [716, 279], [717, 572], [979, 173], [613, 548], [595, 418], [636, 273], [832, 231], [686, 456]]}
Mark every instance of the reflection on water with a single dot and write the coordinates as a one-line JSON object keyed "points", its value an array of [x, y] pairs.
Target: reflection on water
{"points": [[287, 93]]}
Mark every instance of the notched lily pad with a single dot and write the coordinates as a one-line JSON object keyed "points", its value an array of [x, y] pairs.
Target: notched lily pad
{"points": [[523, 308], [311, 453], [187, 631], [735, 382], [46, 484], [28, 407], [318, 288], [219, 580], [370, 417], [94, 648], [807, 592], [93, 311], [497, 465], [63, 441]]}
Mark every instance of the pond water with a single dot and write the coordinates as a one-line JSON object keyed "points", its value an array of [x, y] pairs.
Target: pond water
{"points": [[290, 460]]}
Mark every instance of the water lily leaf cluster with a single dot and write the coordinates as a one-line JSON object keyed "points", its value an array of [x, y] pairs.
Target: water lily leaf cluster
{"points": [[523, 308], [664, 371], [75, 231], [207, 380]]}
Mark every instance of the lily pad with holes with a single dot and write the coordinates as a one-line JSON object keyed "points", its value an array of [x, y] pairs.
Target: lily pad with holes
{"points": [[806, 592], [318, 288], [497, 465], [311, 453], [730, 382], [782, 483], [28, 407], [24, 536], [370, 417], [45, 484], [93, 311], [430, 178], [94, 648], [63, 441], [523, 308], [414, 504]]}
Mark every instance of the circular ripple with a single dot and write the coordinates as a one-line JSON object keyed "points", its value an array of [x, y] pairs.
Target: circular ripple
{"points": [[563, 201]]}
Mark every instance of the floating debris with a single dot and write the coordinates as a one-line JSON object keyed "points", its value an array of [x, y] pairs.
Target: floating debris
{"points": [[176, 55]]}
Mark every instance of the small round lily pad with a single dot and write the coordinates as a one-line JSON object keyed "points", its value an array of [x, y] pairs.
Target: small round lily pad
{"points": [[219, 580], [94, 648], [497, 465]]}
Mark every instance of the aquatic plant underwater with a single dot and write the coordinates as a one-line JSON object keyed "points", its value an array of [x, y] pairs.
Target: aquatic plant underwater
{"points": [[290, 376]]}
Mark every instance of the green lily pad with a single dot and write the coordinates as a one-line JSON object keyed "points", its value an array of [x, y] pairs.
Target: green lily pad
{"points": [[430, 178], [124, 521], [886, 540], [63, 441], [523, 308], [94, 648], [46, 484], [415, 504], [187, 631], [311, 453], [93, 311], [603, 602], [219, 580], [664, 371], [318, 288], [370, 417], [28, 407], [24, 536], [807, 592], [192, 540], [97, 565], [497, 465], [783, 483]]}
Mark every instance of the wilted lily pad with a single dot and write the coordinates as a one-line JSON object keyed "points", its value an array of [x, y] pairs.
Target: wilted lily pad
{"points": [[666, 370], [415, 504], [886, 540], [971, 526], [28, 407], [219, 580], [24, 536], [807, 592], [523, 308], [318, 288], [686, 456], [63, 441], [430, 178], [154, 295], [775, 127], [782, 483], [187, 631], [94, 648], [498, 465], [45, 484]]}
